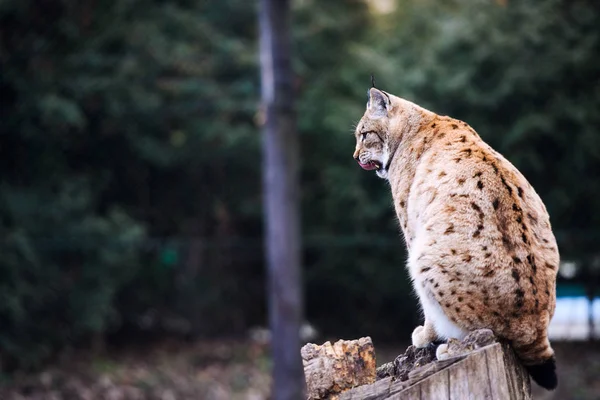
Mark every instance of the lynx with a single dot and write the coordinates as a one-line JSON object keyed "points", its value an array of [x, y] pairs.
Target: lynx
{"points": [[481, 252]]}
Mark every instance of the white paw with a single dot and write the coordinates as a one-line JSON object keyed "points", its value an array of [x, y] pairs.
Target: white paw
{"points": [[420, 337], [441, 353]]}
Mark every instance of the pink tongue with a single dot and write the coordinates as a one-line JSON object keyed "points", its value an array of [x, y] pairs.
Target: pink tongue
{"points": [[368, 166]]}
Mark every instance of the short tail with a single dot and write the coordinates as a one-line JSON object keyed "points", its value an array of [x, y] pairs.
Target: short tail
{"points": [[544, 374], [538, 358]]}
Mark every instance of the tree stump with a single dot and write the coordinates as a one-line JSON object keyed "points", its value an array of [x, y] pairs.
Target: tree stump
{"points": [[479, 367]]}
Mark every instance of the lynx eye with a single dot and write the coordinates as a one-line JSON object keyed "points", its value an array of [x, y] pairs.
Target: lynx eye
{"points": [[363, 135]]}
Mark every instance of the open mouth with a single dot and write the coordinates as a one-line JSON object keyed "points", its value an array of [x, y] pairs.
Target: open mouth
{"points": [[371, 165]]}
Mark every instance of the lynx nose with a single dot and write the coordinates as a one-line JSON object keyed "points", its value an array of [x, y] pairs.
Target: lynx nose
{"points": [[355, 155]]}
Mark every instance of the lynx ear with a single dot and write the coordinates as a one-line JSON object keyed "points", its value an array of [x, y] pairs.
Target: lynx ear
{"points": [[379, 103]]}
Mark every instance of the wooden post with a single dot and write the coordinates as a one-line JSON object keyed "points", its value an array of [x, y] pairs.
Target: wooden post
{"points": [[280, 179], [475, 370]]}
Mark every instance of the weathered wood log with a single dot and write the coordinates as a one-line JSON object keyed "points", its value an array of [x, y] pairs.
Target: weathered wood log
{"points": [[331, 369], [477, 368]]}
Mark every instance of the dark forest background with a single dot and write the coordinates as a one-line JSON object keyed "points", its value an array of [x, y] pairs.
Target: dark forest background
{"points": [[130, 192]]}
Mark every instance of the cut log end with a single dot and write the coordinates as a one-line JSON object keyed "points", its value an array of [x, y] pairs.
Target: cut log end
{"points": [[332, 369]]}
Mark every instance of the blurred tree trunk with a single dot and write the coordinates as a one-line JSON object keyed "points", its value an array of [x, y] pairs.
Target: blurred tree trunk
{"points": [[280, 180], [590, 289], [591, 325], [590, 276]]}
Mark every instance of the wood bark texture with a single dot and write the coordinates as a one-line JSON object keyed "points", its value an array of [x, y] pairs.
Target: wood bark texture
{"points": [[331, 369]]}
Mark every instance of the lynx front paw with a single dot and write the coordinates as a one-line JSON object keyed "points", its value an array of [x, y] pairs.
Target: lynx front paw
{"points": [[422, 336]]}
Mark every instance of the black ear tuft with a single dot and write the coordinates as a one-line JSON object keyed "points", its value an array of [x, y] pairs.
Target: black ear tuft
{"points": [[544, 374]]}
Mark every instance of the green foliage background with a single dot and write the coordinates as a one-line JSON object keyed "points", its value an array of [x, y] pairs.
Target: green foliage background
{"points": [[130, 154]]}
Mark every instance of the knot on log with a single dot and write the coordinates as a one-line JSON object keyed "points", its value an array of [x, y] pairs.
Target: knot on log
{"points": [[331, 369]]}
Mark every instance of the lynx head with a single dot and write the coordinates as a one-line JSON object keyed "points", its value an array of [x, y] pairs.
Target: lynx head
{"points": [[388, 121], [372, 134]]}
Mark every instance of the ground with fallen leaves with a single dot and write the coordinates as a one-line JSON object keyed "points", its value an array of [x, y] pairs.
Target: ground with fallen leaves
{"points": [[210, 370], [225, 370]]}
